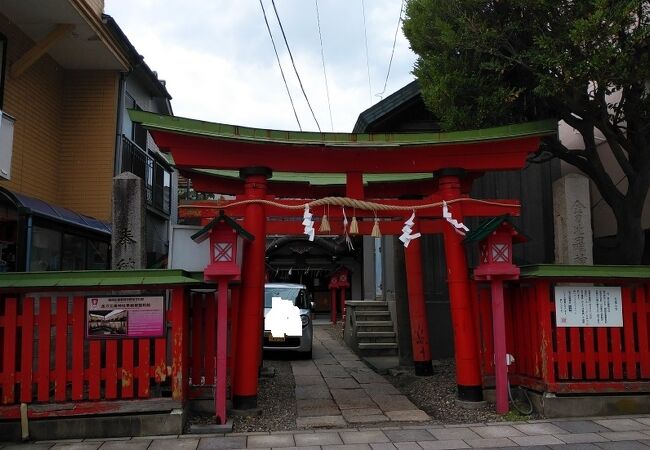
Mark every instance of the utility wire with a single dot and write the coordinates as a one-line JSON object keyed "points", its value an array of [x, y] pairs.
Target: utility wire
{"points": [[322, 57], [277, 57], [293, 63], [365, 34], [392, 53]]}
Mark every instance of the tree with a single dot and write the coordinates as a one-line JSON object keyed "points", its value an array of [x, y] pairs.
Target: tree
{"points": [[484, 63]]}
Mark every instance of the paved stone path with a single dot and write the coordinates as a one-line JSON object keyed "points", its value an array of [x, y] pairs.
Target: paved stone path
{"points": [[336, 389], [624, 433]]}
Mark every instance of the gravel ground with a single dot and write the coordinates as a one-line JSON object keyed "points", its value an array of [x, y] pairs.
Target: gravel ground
{"points": [[276, 399], [436, 395]]}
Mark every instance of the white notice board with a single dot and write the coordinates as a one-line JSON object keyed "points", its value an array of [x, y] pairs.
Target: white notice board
{"points": [[588, 306]]}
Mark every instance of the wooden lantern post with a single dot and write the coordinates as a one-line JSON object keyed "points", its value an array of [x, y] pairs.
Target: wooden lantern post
{"points": [[496, 238], [226, 249]]}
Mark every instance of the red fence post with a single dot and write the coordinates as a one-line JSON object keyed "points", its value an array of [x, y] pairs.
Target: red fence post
{"points": [[27, 352], [180, 344], [44, 318], [9, 357]]}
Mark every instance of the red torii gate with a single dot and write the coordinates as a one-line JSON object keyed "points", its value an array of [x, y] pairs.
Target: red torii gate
{"points": [[453, 160]]}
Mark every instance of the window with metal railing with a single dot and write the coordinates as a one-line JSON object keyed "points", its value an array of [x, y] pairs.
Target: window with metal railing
{"points": [[157, 177]]}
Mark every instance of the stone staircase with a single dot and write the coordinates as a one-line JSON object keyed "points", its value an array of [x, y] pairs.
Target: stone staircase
{"points": [[371, 328]]}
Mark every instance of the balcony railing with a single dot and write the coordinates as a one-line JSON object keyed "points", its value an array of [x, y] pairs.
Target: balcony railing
{"points": [[156, 176]]}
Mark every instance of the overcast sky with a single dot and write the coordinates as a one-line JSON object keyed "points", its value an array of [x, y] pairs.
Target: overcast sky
{"points": [[219, 64]]}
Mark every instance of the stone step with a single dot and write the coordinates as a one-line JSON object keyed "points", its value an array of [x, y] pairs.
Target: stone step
{"points": [[377, 345], [373, 325], [376, 340], [363, 317], [375, 334], [367, 305], [372, 313]]}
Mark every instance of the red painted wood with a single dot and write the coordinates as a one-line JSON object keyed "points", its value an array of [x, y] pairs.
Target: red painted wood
{"points": [[234, 312], [629, 311], [160, 360], [365, 217], [210, 338], [486, 331], [197, 338], [44, 320], [27, 350], [590, 352], [468, 369], [525, 329], [250, 318], [194, 151], [499, 333], [179, 318], [9, 351], [78, 339], [511, 341], [128, 377], [144, 354], [617, 354], [222, 350], [111, 369], [61, 347], [604, 355], [576, 353], [94, 370], [562, 353], [421, 351], [548, 357], [642, 330]]}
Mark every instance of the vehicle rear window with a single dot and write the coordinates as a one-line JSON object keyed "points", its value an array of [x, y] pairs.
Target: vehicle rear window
{"points": [[296, 295]]}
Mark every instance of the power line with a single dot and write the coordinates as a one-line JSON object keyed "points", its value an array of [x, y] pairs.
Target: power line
{"points": [[322, 56], [365, 34], [293, 63], [277, 57], [392, 53]]}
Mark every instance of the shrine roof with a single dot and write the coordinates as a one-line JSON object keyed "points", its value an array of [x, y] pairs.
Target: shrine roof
{"points": [[487, 227], [182, 125]]}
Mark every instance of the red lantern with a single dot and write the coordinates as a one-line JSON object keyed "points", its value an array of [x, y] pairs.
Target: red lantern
{"points": [[226, 247], [496, 239]]}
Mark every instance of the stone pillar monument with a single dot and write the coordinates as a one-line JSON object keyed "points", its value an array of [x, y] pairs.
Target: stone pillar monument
{"points": [[572, 220], [128, 240]]}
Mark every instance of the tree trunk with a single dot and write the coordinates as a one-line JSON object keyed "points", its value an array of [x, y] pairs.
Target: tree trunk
{"points": [[630, 239]]}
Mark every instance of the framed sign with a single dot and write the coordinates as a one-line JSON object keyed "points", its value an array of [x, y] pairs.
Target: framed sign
{"points": [[588, 306], [125, 316]]}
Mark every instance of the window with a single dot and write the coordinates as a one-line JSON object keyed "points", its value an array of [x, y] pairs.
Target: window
{"points": [[46, 250], [73, 252], [97, 255]]}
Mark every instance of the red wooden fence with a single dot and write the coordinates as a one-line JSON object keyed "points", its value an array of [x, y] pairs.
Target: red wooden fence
{"points": [[46, 357], [203, 338], [570, 360]]}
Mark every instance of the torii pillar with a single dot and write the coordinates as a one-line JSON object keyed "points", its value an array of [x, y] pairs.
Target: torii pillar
{"points": [[251, 308], [468, 370]]}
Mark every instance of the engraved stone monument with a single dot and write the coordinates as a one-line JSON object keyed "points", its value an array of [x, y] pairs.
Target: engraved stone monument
{"points": [[128, 240], [572, 220]]}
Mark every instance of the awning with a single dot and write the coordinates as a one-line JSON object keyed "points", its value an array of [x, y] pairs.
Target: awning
{"points": [[33, 206]]}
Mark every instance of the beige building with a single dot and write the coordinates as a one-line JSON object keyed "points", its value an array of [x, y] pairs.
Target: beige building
{"points": [[67, 70]]}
